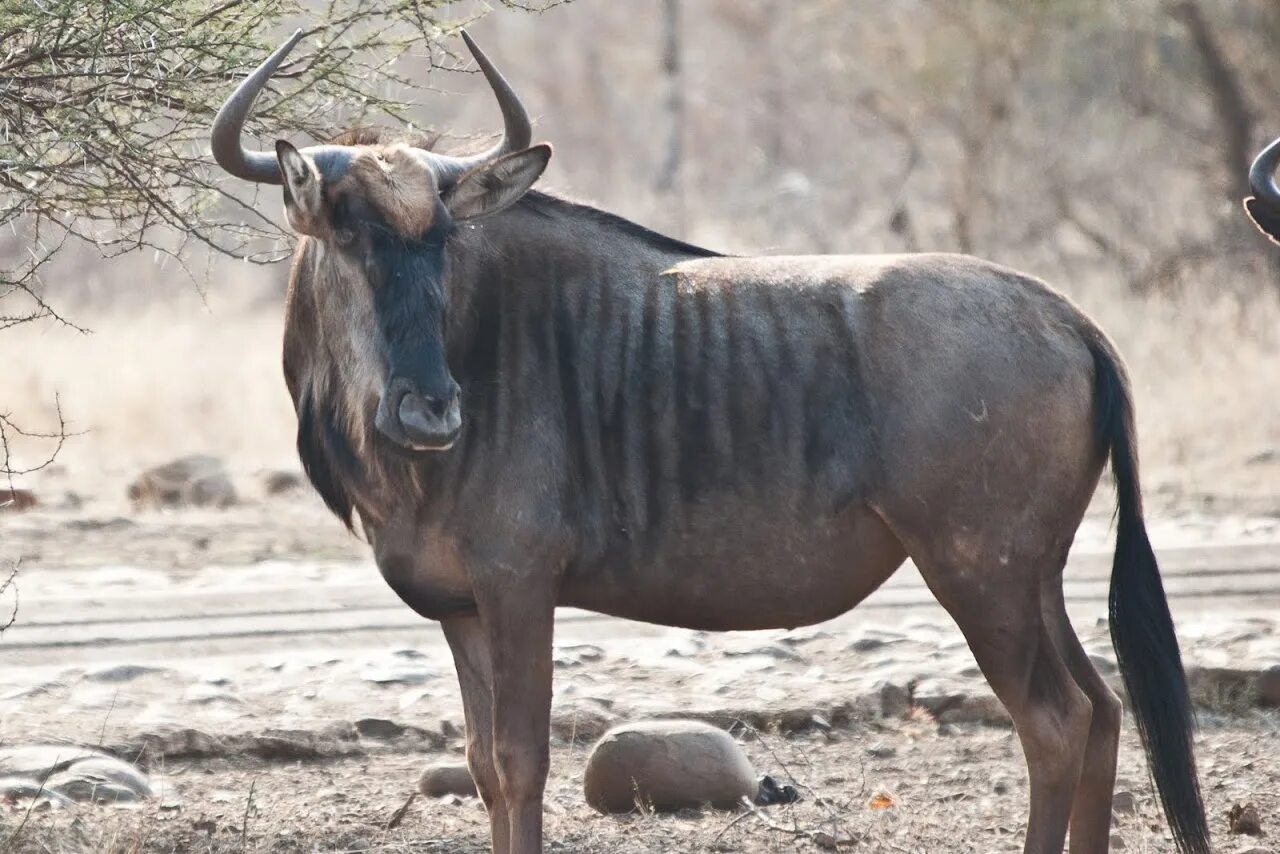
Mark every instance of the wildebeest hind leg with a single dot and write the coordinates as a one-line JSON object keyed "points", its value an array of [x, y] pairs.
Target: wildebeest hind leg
{"points": [[474, 664], [1000, 614], [1091, 810]]}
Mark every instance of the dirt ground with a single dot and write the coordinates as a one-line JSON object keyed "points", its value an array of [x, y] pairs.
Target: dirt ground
{"points": [[964, 790], [267, 618]]}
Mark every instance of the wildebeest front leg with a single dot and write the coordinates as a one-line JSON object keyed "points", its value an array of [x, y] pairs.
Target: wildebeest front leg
{"points": [[519, 619], [474, 662]]}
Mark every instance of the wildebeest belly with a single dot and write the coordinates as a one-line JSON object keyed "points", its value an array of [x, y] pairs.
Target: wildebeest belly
{"points": [[746, 568]]}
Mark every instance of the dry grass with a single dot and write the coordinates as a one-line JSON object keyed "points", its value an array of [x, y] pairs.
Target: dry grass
{"points": [[178, 376]]}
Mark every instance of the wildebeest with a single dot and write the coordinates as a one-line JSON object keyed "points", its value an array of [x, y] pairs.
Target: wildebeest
{"points": [[529, 402], [1263, 206]]}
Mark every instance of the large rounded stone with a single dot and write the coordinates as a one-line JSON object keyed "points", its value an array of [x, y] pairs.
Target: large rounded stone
{"points": [[667, 765], [72, 774], [447, 778]]}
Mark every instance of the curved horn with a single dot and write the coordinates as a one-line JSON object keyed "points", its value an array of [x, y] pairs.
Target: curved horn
{"points": [[258, 166], [517, 132], [1264, 206]]}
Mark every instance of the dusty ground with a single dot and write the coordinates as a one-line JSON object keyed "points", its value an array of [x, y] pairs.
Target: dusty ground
{"points": [[266, 621], [962, 791]]}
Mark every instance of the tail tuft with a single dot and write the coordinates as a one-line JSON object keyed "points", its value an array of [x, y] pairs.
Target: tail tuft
{"points": [[1141, 625]]}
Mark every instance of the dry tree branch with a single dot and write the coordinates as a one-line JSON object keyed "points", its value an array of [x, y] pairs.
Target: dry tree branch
{"points": [[11, 582], [105, 111]]}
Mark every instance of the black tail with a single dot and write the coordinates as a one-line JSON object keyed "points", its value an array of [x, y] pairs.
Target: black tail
{"points": [[1141, 627]]}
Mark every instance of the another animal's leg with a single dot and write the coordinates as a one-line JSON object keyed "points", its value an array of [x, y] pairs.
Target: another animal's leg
{"points": [[1091, 810], [471, 657], [1001, 618], [519, 618]]}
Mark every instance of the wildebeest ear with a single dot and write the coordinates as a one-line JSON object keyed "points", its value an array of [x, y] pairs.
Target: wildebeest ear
{"points": [[497, 184], [303, 199]]}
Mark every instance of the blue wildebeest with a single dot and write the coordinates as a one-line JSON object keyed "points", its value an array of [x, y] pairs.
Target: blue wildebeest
{"points": [[530, 402]]}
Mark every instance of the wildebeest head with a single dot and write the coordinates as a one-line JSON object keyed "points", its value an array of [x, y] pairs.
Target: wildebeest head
{"points": [[381, 215]]}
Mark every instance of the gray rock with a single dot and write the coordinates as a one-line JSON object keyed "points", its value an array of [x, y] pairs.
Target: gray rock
{"points": [[17, 500], [441, 779], [281, 482], [194, 481], [976, 709], [14, 789], [121, 672], [1123, 802], [71, 774], [895, 700], [667, 765], [40, 760], [397, 671], [580, 721]]}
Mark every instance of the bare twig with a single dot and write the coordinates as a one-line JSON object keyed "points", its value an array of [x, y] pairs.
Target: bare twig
{"points": [[11, 581]]}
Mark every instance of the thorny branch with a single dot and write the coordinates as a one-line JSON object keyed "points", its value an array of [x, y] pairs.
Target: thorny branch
{"points": [[9, 430], [11, 582], [105, 111]]}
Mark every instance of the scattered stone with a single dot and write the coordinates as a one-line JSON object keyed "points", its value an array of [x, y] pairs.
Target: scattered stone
{"points": [[379, 728], [895, 700], [1123, 802], [281, 482], [882, 751], [14, 789], [574, 654], [1223, 688], [441, 779], [340, 731], [398, 671], [667, 765], [40, 760], [193, 481], [1268, 455], [771, 793], [17, 500], [121, 673], [203, 693], [980, 709], [767, 650], [112, 523], [1117, 842], [1244, 819], [292, 745], [580, 721], [66, 773], [172, 743]]}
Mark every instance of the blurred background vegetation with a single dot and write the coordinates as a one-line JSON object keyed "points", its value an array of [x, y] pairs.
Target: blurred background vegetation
{"points": [[1100, 145]]}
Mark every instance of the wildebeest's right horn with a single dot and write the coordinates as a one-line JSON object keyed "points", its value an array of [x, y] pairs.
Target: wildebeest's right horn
{"points": [[257, 166], [517, 132], [1263, 206]]}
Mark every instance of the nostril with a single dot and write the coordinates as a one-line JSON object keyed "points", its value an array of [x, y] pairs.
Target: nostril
{"points": [[437, 408]]}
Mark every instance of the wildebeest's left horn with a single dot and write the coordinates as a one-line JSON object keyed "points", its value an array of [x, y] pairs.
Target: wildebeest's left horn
{"points": [[1263, 206], [257, 166], [517, 132]]}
